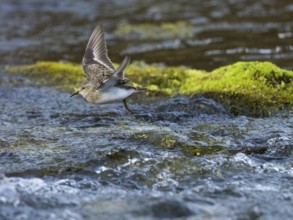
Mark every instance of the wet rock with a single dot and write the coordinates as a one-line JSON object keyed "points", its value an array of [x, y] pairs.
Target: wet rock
{"points": [[4, 144], [170, 210], [190, 107]]}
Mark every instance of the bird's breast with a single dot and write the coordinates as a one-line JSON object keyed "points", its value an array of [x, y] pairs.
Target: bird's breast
{"points": [[115, 94], [92, 96]]}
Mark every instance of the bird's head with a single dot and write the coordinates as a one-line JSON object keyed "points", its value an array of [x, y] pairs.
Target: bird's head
{"points": [[84, 89], [88, 91]]}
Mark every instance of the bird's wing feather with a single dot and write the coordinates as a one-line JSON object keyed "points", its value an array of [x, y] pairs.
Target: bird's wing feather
{"points": [[119, 73], [96, 64], [117, 78]]}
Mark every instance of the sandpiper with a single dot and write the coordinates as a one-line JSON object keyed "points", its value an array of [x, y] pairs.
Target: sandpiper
{"points": [[104, 83]]}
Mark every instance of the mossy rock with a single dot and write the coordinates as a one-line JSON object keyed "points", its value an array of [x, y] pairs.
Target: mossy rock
{"points": [[251, 88], [170, 141], [151, 31], [247, 88], [63, 76]]}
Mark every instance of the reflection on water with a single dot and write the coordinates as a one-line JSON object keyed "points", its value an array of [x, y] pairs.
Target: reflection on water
{"points": [[221, 32]]}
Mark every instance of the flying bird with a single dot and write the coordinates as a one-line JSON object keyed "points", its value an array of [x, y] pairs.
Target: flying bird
{"points": [[104, 83]]}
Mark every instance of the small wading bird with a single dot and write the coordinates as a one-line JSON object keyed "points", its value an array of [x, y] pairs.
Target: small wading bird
{"points": [[104, 83]]}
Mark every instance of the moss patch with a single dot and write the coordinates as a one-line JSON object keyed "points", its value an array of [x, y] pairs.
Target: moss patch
{"points": [[149, 31], [64, 76], [249, 88], [169, 141]]}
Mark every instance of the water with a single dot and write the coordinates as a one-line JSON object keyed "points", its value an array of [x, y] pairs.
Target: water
{"points": [[65, 158], [177, 158], [219, 32]]}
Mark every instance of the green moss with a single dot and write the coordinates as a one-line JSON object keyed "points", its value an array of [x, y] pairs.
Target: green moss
{"points": [[249, 88], [201, 150], [169, 80], [150, 31], [172, 142], [64, 76], [156, 138]]}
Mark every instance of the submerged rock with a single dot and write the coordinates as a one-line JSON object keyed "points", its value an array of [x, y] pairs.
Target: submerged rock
{"points": [[148, 31]]}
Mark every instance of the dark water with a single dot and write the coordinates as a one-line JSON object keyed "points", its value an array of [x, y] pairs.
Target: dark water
{"points": [[177, 158], [221, 31]]}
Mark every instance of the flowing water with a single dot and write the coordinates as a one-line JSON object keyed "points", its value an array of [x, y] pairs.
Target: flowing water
{"points": [[176, 158]]}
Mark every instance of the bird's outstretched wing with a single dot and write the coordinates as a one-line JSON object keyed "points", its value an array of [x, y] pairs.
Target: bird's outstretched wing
{"points": [[118, 78], [96, 64]]}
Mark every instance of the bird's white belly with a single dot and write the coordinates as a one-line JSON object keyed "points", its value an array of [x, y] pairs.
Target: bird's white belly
{"points": [[115, 94]]}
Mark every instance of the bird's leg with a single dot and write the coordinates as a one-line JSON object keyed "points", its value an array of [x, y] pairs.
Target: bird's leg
{"points": [[126, 106]]}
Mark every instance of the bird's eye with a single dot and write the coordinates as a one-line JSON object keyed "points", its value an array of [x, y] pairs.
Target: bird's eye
{"points": [[83, 88]]}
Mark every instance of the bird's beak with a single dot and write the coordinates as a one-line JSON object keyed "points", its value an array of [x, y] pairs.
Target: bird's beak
{"points": [[75, 93]]}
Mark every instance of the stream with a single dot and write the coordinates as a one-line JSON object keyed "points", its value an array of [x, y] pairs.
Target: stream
{"points": [[175, 158]]}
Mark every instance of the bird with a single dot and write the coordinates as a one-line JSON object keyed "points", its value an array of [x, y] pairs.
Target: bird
{"points": [[104, 83]]}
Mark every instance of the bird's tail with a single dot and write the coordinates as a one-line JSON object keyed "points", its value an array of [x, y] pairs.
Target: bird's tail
{"points": [[141, 89], [137, 89]]}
